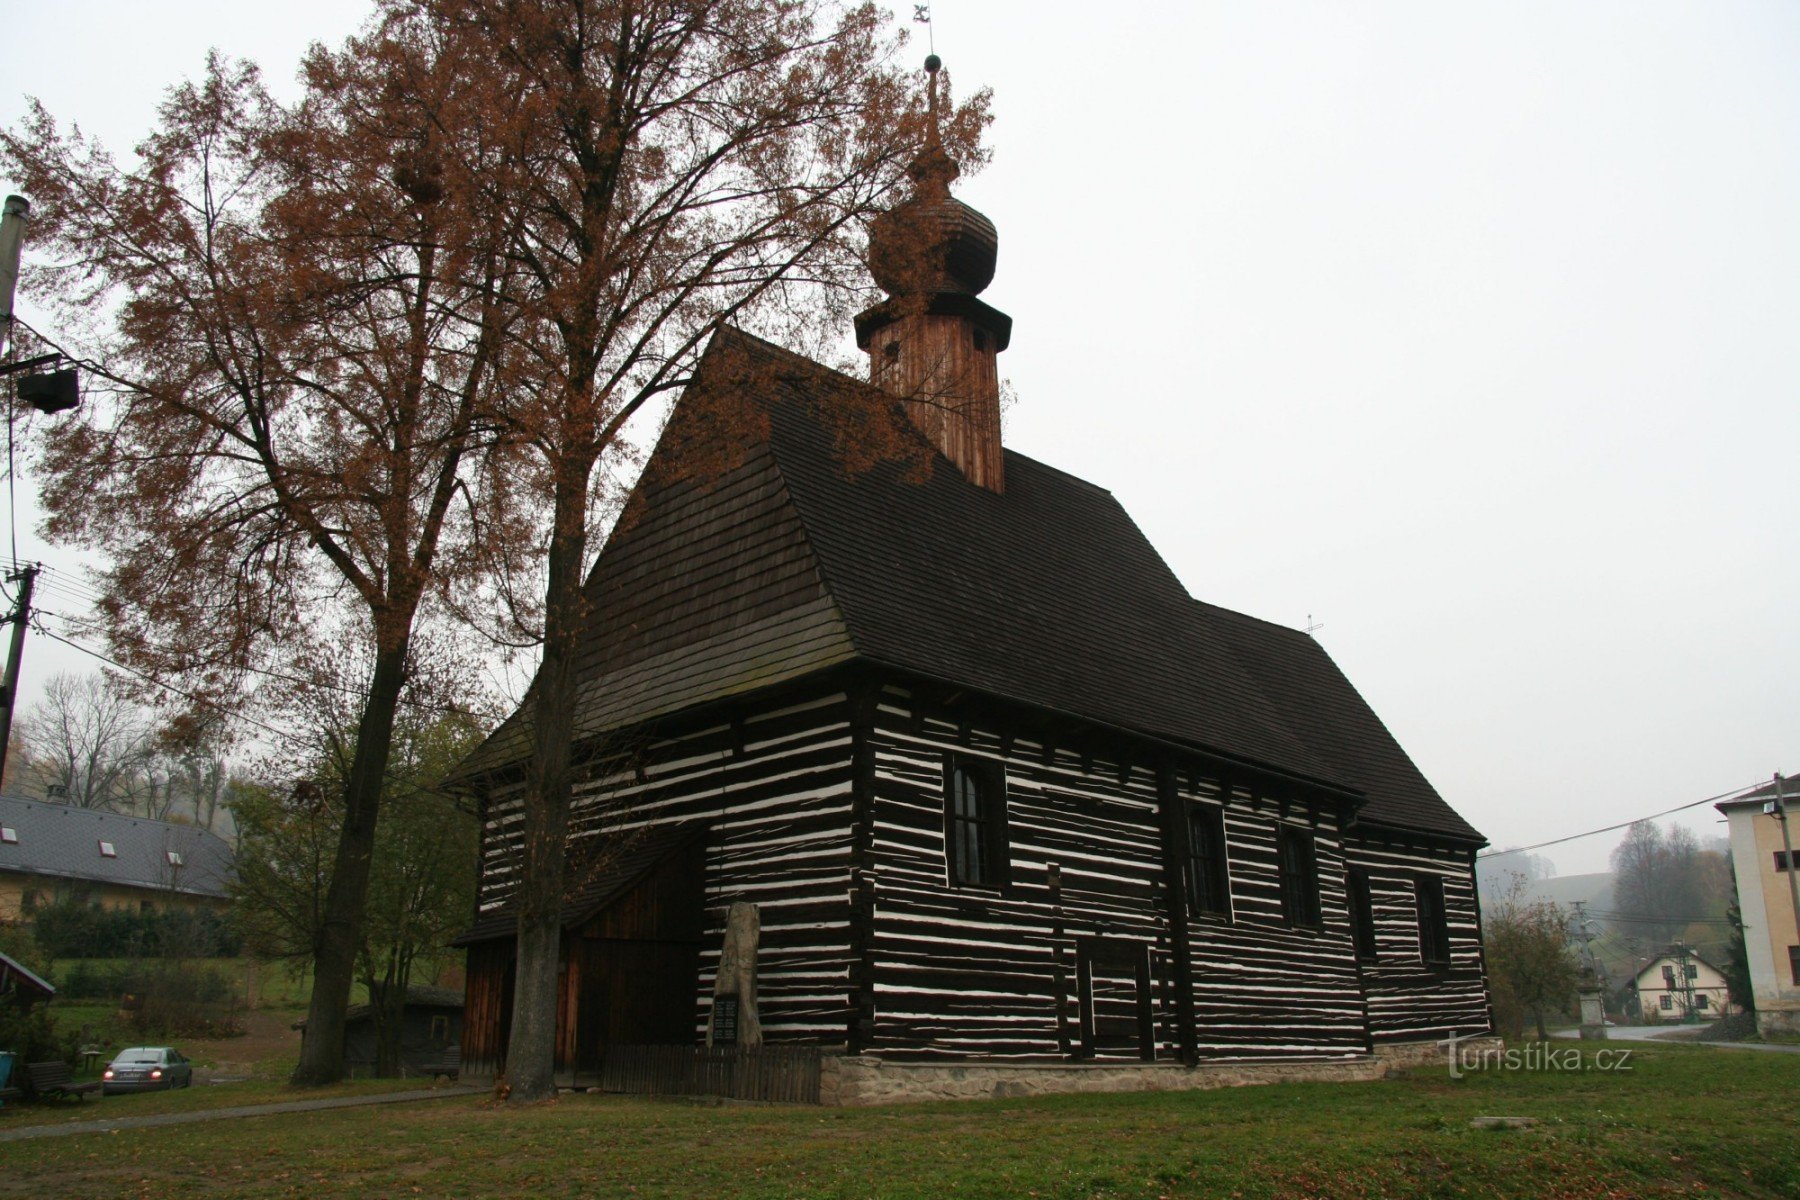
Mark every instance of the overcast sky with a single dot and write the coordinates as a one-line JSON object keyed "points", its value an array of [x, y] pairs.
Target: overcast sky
{"points": [[1468, 331]]}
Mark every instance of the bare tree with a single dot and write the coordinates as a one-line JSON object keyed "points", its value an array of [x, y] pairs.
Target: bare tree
{"points": [[295, 315], [1659, 881], [90, 743], [673, 165]]}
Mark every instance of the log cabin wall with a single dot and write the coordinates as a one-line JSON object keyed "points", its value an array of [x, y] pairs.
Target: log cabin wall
{"points": [[977, 971], [1408, 1000], [1261, 985], [773, 787]]}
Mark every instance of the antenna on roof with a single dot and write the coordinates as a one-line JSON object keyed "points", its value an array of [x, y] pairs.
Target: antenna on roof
{"points": [[1311, 625]]}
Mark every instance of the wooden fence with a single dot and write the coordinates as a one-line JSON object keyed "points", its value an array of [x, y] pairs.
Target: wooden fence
{"points": [[783, 1073]]}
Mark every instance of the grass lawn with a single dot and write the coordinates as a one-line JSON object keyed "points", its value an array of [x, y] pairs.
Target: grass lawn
{"points": [[1683, 1121], [259, 1076]]}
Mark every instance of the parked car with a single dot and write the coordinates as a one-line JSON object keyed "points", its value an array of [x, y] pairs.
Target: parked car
{"points": [[146, 1069]]}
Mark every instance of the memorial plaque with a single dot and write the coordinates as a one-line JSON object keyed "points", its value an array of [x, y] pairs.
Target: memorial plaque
{"points": [[725, 1020]]}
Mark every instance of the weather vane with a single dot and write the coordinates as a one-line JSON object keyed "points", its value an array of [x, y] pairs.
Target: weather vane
{"points": [[922, 16]]}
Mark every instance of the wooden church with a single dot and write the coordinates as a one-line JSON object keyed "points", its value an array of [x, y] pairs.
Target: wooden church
{"points": [[1001, 790]]}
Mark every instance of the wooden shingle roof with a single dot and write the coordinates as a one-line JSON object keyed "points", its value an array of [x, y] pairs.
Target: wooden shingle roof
{"points": [[1047, 595]]}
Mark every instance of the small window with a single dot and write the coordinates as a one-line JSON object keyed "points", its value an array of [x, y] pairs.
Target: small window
{"points": [[1668, 975], [9, 835], [975, 821], [174, 858], [1666, 1001], [981, 341], [1362, 914], [1209, 873], [440, 1029], [1701, 1000], [107, 851], [1781, 860], [1794, 963], [891, 352], [1434, 927], [1299, 876], [29, 901], [1693, 972]]}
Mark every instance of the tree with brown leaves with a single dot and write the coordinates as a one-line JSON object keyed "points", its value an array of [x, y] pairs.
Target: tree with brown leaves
{"points": [[667, 166], [296, 318]]}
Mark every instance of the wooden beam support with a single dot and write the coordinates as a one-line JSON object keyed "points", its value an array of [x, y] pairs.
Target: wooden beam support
{"points": [[1174, 846], [861, 1032]]}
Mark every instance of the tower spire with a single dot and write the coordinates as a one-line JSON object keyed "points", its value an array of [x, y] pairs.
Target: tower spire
{"points": [[932, 342]]}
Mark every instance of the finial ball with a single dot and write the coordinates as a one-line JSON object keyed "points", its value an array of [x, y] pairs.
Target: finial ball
{"points": [[932, 63]]}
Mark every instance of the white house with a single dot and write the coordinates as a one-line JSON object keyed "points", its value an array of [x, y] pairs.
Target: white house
{"points": [[1678, 982]]}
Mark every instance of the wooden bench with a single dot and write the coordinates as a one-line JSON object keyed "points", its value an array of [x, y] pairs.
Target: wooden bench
{"points": [[57, 1079], [448, 1066]]}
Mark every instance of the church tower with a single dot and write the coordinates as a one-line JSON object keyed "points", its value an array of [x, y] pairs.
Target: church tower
{"points": [[932, 342]]}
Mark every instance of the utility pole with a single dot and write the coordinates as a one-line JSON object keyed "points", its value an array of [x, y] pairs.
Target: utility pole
{"points": [[1687, 985], [12, 237], [1778, 807], [9, 689]]}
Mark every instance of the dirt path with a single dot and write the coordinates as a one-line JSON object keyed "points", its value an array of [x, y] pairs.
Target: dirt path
{"points": [[268, 1036]]}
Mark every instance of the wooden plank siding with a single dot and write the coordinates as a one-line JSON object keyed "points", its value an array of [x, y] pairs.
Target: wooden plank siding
{"points": [[1407, 1000], [827, 809], [773, 791], [979, 971], [1262, 986]]}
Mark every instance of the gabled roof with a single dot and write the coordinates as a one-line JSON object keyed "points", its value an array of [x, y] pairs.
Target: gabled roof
{"points": [[16, 979], [1672, 955], [62, 842], [1789, 790], [1047, 595], [418, 996]]}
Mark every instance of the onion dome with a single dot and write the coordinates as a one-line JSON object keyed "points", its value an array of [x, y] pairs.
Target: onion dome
{"points": [[931, 241]]}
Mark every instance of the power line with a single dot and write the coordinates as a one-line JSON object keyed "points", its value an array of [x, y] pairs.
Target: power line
{"points": [[168, 687], [1737, 791], [346, 689]]}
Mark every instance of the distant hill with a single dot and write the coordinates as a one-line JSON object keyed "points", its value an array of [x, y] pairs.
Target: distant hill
{"points": [[1594, 890]]}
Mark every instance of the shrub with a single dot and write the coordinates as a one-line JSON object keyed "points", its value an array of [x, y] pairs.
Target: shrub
{"points": [[32, 1037], [71, 929], [177, 999]]}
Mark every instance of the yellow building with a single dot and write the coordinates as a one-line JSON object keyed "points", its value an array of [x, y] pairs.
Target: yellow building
{"points": [[54, 852], [1765, 888]]}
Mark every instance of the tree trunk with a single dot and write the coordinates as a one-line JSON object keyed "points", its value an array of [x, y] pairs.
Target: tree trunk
{"points": [[1537, 1011], [334, 966], [388, 1006], [531, 1049]]}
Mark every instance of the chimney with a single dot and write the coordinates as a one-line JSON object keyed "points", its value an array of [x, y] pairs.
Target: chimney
{"points": [[932, 342]]}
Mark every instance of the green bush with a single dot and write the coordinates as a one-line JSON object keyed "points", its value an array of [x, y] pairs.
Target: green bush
{"points": [[32, 1037], [70, 929]]}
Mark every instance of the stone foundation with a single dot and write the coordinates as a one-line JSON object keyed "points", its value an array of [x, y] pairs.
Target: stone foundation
{"points": [[861, 1081], [1781, 1020]]}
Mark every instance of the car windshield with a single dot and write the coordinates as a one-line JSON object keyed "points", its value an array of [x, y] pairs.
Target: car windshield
{"points": [[130, 1057]]}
